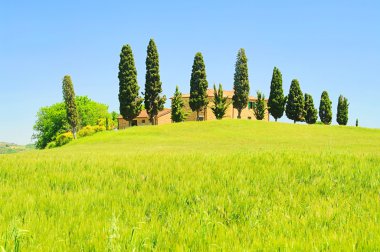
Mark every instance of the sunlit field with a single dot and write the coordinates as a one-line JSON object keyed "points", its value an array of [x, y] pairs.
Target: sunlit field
{"points": [[217, 185]]}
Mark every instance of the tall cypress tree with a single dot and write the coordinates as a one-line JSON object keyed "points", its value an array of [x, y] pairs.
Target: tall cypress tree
{"points": [[259, 106], [241, 82], [130, 101], [310, 111], [153, 86], [277, 100], [295, 103], [220, 103], [71, 107], [198, 85], [342, 113], [177, 113], [325, 113]]}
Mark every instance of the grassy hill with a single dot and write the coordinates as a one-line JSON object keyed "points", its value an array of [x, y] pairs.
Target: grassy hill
{"points": [[217, 185]]}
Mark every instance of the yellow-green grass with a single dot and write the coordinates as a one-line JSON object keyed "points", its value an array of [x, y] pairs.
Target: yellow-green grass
{"points": [[219, 185]]}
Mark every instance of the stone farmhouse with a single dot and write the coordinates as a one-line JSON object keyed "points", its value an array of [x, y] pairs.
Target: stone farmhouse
{"points": [[142, 119], [164, 116]]}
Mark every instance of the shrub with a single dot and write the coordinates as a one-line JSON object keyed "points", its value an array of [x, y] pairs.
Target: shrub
{"points": [[64, 138], [86, 131], [99, 128], [51, 145]]}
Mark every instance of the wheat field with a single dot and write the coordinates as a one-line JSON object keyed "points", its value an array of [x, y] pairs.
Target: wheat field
{"points": [[227, 185]]}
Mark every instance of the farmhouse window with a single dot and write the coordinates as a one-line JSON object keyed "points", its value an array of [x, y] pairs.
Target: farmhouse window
{"points": [[250, 105]]}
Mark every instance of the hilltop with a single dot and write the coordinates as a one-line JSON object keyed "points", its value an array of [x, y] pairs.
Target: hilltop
{"points": [[230, 185]]}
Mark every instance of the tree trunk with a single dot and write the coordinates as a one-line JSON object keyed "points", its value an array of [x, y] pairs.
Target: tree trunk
{"points": [[130, 123], [294, 121], [74, 133], [239, 112], [275, 119], [197, 115]]}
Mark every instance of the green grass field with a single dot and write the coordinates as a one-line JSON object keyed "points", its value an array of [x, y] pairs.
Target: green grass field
{"points": [[218, 185]]}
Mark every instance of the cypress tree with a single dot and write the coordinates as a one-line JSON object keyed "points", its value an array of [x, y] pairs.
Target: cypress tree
{"points": [[71, 107], [325, 113], [241, 82], [295, 103], [310, 111], [259, 106], [177, 113], [277, 100], [198, 85], [342, 113], [357, 122], [130, 101], [220, 103], [153, 86]]}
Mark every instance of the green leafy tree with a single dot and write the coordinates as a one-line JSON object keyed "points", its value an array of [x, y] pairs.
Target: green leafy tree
{"points": [[241, 82], [325, 112], [295, 103], [357, 122], [311, 113], [153, 86], [220, 103], [90, 112], [177, 113], [342, 113], [277, 100], [198, 85], [52, 120], [130, 101], [71, 107], [259, 106]]}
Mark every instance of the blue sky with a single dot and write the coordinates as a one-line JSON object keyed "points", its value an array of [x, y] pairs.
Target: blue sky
{"points": [[326, 45]]}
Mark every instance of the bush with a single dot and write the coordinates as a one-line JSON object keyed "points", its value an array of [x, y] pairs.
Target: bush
{"points": [[63, 139], [86, 131], [99, 128], [51, 145]]}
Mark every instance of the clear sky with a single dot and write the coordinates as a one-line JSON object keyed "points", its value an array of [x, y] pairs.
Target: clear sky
{"points": [[326, 45]]}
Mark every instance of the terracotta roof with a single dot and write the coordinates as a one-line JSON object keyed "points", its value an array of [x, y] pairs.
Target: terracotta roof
{"points": [[210, 93], [144, 114]]}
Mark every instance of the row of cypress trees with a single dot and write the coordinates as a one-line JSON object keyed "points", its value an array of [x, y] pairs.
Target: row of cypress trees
{"points": [[301, 108], [296, 106]]}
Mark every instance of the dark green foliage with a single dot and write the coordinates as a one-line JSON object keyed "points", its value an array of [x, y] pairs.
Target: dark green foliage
{"points": [[153, 86], [295, 103], [130, 101], [220, 103], [277, 100], [325, 112], [342, 113], [259, 106], [357, 122], [177, 113], [311, 113], [241, 82], [71, 107], [198, 85], [52, 120]]}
